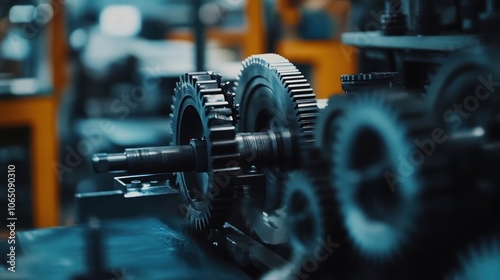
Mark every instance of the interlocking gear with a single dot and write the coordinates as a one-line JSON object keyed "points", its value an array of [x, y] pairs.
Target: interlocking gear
{"points": [[379, 200], [201, 111], [273, 95]]}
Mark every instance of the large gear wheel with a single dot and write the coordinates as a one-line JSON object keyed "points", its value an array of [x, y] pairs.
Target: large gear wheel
{"points": [[380, 204], [312, 215], [273, 95], [202, 111]]}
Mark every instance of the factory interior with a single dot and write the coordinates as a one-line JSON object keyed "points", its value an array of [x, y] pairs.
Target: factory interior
{"points": [[250, 139]]}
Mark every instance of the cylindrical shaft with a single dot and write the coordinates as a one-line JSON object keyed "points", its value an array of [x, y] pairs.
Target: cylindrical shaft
{"points": [[271, 149], [148, 160]]}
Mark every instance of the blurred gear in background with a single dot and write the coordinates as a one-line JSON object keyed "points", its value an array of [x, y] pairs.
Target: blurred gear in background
{"points": [[394, 176], [481, 262], [380, 205]]}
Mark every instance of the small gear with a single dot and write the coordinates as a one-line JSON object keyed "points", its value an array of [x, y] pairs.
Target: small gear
{"points": [[370, 81], [311, 208], [372, 76], [381, 204], [482, 262], [202, 111]]}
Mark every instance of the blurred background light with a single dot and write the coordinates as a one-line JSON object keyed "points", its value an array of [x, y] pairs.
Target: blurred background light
{"points": [[120, 20]]}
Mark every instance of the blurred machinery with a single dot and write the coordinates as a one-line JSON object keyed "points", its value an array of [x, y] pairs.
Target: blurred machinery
{"points": [[394, 179], [28, 101]]}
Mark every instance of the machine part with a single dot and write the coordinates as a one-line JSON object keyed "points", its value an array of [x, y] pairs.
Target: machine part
{"points": [[326, 127], [445, 43], [427, 20], [481, 262], [258, 148], [157, 242], [201, 111], [273, 95], [370, 81], [311, 210], [148, 160], [381, 201], [468, 79], [155, 198], [393, 20]]}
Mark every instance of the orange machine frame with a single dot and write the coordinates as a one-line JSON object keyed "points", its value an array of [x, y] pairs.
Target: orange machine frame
{"points": [[329, 58], [39, 113]]}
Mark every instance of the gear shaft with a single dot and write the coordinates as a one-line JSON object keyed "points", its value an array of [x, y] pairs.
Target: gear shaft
{"points": [[260, 148]]}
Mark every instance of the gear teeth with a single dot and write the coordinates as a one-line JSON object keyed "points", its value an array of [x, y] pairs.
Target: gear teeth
{"points": [[431, 215], [295, 98], [293, 82], [204, 90], [313, 185], [481, 261]]}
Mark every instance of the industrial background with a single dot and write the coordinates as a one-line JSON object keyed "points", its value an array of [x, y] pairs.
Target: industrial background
{"points": [[249, 139]]}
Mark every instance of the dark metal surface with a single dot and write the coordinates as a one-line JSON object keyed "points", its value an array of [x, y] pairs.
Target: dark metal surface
{"points": [[375, 39], [145, 195], [135, 248]]}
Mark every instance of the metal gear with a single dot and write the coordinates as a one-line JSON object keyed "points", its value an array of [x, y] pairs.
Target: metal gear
{"points": [[352, 83], [273, 95], [202, 111], [381, 204], [311, 207], [482, 262]]}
